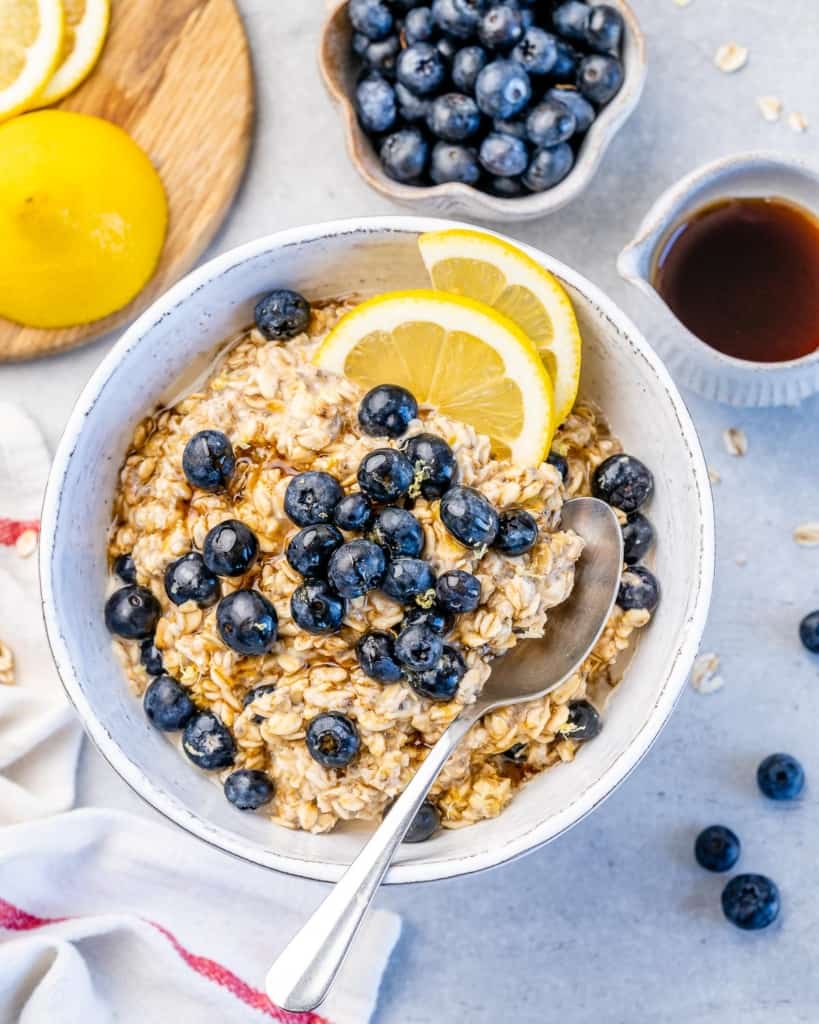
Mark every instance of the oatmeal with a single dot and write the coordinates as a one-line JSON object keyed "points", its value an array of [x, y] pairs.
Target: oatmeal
{"points": [[285, 712]]}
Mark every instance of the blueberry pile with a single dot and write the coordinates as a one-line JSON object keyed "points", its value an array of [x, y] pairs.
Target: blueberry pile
{"points": [[495, 95]]}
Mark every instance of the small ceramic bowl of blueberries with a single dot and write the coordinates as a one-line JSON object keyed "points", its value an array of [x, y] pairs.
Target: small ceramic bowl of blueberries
{"points": [[499, 109]]}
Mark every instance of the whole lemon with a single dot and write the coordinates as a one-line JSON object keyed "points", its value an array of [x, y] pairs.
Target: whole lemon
{"points": [[83, 216]]}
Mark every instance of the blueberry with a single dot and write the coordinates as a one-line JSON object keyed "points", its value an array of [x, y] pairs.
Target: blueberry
{"points": [[503, 154], [387, 411], [419, 26], [447, 47], [189, 579], [502, 88], [208, 461], [717, 848], [408, 578], [418, 648], [411, 107], [809, 631], [385, 475], [208, 742], [506, 188], [458, 591], [515, 126], [310, 550], [469, 517], [536, 52], [583, 111], [624, 482], [561, 464], [751, 902], [604, 29], [371, 17], [230, 548], [570, 20], [354, 513], [255, 694], [359, 43], [356, 567], [332, 739], [548, 167], [781, 777], [248, 789], [501, 27], [125, 568], [151, 657], [583, 722], [599, 78], [638, 537], [381, 56], [459, 18], [375, 104], [639, 588], [517, 532], [550, 123], [433, 463], [516, 754], [436, 617], [453, 162], [376, 656], [311, 498], [566, 63], [424, 825], [399, 532], [132, 612], [282, 314], [404, 154], [441, 682], [421, 69], [247, 622], [167, 704], [453, 117], [316, 607], [466, 66]]}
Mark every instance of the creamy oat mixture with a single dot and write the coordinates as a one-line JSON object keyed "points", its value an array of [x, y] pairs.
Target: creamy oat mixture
{"points": [[283, 416]]}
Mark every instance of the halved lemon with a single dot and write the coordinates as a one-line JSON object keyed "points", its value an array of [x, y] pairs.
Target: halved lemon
{"points": [[455, 354], [486, 268], [31, 33], [86, 25]]}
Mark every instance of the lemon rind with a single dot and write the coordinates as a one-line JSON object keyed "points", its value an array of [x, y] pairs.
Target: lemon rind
{"points": [[73, 71]]}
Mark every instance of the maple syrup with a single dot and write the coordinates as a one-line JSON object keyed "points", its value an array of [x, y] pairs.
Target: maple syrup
{"points": [[743, 276]]}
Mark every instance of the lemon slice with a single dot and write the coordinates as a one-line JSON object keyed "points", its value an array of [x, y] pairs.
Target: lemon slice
{"points": [[86, 25], [455, 354], [31, 34], [484, 267]]}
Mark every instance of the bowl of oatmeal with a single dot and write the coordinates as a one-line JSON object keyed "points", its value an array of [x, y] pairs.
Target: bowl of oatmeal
{"points": [[214, 465]]}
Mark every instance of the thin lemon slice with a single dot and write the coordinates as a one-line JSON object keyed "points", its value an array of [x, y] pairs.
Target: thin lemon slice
{"points": [[486, 268], [86, 26], [452, 353], [31, 33]]}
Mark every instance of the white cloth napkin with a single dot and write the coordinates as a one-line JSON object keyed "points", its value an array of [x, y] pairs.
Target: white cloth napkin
{"points": [[107, 916]]}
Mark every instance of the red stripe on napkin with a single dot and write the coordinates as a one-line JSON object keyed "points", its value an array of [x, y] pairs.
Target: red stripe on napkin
{"points": [[11, 529]]}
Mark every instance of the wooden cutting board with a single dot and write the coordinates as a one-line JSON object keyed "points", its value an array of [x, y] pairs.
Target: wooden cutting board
{"points": [[176, 75]]}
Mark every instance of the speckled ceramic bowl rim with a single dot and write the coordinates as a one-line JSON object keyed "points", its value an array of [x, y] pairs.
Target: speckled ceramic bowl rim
{"points": [[431, 868]]}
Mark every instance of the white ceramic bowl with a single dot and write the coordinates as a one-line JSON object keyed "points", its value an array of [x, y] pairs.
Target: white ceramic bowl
{"points": [[620, 372]]}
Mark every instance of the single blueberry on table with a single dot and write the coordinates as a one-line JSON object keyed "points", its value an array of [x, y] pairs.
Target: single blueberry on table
{"points": [[458, 18], [536, 52], [548, 167], [458, 591], [419, 26], [316, 607], [189, 579], [717, 848], [467, 64], [453, 117], [436, 617], [604, 29], [550, 123], [208, 742], [501, 27], [375, 104], [387, 411], [373, 18], [809, 631], [502, 88], [247, 622], [167, 704], [376, 656], [781, 777], [356, 567], [503, 155], [332, 739], [561, 464], [451, 161], [282, 314], [517, 532], [418, 648], [311, 498], [599, 78], [208, 461], [125, 568], [506, 188], [385, 475], [151, 657], [583, 723], [248, 789], [584, 113], [399, 532], [469, 517], [404, 154], [424, 825], [441, 682], [639, 589], [381, 56], [309, 551], [230, 548], [751, 902], [132, 612], [354, 513], [421, 69], [411, 108], [570, 20], [433, 463], [638, 538], [624, 482], [407, 578]]}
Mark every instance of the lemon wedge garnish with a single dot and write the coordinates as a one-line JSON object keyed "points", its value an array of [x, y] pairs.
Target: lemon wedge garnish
{"points": [[486, 268], [31, 34], [86, 25], [82, 218], [455, 354]]}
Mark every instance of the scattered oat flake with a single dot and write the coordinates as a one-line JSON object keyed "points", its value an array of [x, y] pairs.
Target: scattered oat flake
{"points": [[735, 441], [731, 57], [26, 543], [714, 476], [6, 665], [770, 107], [807, 535], [705, 676], [797, 122], [741, 560]]}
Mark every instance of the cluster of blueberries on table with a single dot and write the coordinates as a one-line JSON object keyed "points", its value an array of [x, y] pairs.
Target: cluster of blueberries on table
{"points": [[494, 95]]}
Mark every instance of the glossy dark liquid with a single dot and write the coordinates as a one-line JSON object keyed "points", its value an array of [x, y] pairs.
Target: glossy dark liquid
{"points": [[743, 275]]}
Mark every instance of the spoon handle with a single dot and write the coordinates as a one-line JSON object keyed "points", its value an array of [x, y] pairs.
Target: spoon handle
{"points": [[301, 977]]}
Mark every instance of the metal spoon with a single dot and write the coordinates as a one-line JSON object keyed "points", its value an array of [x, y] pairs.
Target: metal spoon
{"points": [[301, 977]]}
